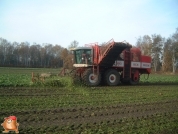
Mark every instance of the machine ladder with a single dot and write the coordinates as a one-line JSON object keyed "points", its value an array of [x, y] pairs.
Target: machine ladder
{"points": [[127, 65]]}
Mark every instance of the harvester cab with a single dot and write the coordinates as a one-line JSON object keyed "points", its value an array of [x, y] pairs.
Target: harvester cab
{"points": [[82, 56]]}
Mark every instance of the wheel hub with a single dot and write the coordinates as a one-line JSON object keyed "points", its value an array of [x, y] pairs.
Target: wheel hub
{"points": [[135, 78], [112, 78], [93, 78]]}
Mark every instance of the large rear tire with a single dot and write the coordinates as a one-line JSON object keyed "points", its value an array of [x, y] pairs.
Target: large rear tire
{"points": [[91, 79], [112, 77]]}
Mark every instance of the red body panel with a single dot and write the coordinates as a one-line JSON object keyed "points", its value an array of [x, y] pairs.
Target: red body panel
{"points": [[136, 54], [146, 59], [136, 57]]}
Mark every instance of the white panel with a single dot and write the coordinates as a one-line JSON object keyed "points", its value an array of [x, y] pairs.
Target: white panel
{"points": [[80, 65], [146, 65], [119, 63], [135, 64]]}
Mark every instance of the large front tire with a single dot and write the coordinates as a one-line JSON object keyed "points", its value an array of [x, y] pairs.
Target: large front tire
{"points": [[76, 79], [90, 78], [112, 77]]}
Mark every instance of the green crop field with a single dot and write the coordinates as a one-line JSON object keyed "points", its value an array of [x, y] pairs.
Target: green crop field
{"points": [[57, 105]]}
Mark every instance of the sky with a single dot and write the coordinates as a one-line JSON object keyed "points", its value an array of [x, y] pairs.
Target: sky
{"points": [[86, 21]]}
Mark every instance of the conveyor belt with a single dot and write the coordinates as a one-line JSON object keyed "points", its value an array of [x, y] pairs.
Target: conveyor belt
{"points": [[111, 53]]}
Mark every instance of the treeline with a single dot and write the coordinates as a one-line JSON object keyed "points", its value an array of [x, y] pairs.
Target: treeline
{"points": [[36, 55], [164, 52]]}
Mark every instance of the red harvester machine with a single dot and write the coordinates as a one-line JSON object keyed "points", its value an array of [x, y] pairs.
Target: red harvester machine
{"points": [[111, 64]]}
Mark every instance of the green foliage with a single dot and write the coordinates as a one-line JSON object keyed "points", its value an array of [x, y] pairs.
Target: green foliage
{"points": [[159, 79], [13, 77], [57, 81], [59, 96], [44, 98], [8, 80]]}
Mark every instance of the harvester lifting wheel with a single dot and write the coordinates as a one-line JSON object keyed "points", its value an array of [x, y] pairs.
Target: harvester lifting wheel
{"points": [[112, 77], [90, 78], [135, 78]]}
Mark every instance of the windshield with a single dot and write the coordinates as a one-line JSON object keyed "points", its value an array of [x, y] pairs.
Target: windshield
{"points": [[83, 56]]}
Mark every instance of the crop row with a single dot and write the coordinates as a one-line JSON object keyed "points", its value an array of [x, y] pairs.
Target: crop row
{"points": [[43, 102], [159, 123], [65, 118], [87, 90], [94, 114], [94, 90], [88, 108]]}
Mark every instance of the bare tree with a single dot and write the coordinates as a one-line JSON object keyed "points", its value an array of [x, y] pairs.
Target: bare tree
{"points": [[24, 53], [15, 53], [145, 44], [73, 44], [64, 56], [56, 51], [34, 57], [49, 54], [3, 46], [42, 57], [174, 50], [156, 50], [167, 59]]}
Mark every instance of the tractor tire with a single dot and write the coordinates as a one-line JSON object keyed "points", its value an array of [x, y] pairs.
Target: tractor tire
{"points": [[91, 79], [112, 77], [122, 81], [134, 80], [75, 78]]}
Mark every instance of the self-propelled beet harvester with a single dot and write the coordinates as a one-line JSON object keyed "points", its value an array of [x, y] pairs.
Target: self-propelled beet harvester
{"points": [[109, 64]]}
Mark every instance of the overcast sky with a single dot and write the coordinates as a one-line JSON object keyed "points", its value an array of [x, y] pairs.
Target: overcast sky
{"points": [[87, 21]]}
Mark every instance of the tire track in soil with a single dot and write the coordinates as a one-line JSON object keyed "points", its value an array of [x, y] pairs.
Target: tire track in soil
{"points": [[83, 115]]}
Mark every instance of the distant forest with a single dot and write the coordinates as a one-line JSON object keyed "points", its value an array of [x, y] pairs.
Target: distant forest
{"points": [[164, 53], [36, 55]]}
